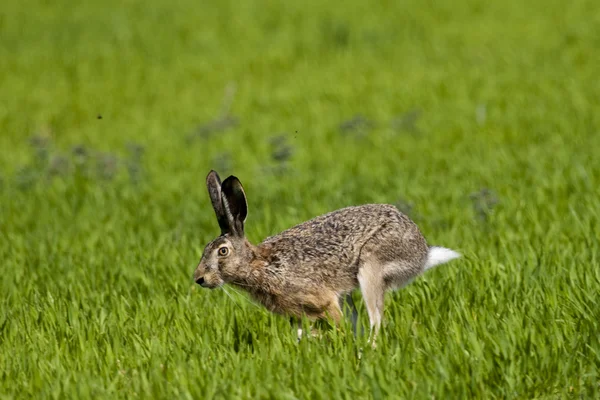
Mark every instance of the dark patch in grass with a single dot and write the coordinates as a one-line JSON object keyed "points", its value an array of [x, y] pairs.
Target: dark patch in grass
{"points": [[134, 162], [335, 34], [221, 123], [281, 150], [80, 154], [407, 122], [59, 166], [223, 162], [41, 147], [26, 177], [483, 203], [278, 170], [281, 153], [81, 163], [107, 166], [357, 126], [81, 160], [407, 208], [217, 125]]}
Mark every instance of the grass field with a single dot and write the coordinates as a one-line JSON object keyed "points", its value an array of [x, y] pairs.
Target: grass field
{"points": [[478, 119]]}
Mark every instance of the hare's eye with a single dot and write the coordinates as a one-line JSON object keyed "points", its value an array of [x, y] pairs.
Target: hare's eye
{"points": [[223, 251]]}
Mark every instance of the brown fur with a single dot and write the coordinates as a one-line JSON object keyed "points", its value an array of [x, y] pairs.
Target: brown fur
{"points": [[306, 269]]}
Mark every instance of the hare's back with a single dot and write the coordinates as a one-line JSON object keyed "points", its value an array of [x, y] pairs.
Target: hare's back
{"points": [[335, 237]]}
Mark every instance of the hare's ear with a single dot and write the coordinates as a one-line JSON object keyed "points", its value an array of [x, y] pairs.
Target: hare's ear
{"points": [[234, 204], [213, 183]]}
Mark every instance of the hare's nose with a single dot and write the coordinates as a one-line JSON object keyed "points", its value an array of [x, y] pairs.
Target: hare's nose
{"points": [[200, 281]]}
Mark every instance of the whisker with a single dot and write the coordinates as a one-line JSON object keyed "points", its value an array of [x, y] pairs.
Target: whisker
{"points": [[243, 296], [231, 297], [244, 285]]}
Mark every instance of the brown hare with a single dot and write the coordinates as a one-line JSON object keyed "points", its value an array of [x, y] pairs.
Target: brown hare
{"points": [[312, 267]]}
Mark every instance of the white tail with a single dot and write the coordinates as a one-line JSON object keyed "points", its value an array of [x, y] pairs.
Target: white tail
{"points": [[439, 255]]}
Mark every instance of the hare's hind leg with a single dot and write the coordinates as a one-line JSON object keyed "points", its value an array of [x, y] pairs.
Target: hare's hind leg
{"points": [[372, 286]]}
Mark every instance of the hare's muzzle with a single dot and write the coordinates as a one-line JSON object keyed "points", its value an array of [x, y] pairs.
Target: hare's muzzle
{"points": [[200, 281]]}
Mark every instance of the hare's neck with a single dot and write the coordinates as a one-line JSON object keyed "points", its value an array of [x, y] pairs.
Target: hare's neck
{"points": [[256, 278], [253, 280]]}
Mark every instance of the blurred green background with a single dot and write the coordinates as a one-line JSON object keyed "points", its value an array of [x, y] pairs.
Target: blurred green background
{"points": [[477, 119]]}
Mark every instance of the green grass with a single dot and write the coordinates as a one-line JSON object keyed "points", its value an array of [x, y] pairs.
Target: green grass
{"points": [[479, 119]]}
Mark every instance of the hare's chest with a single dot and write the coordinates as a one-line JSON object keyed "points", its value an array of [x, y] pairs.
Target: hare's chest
{"points": [[290, 303], [270, 301]]}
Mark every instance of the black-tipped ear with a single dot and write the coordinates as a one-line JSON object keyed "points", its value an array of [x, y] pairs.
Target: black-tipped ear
{"points": [[213, 183], [234, 204]]}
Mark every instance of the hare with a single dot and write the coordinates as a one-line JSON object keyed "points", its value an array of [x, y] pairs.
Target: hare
{"points": [[309, 269]]}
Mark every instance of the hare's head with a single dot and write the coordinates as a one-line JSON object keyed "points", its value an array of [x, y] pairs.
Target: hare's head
{"points": [[224, 257]]}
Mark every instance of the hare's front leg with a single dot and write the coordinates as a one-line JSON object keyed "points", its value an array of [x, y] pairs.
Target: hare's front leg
{"points": [[350, 308], [297, 322]]}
